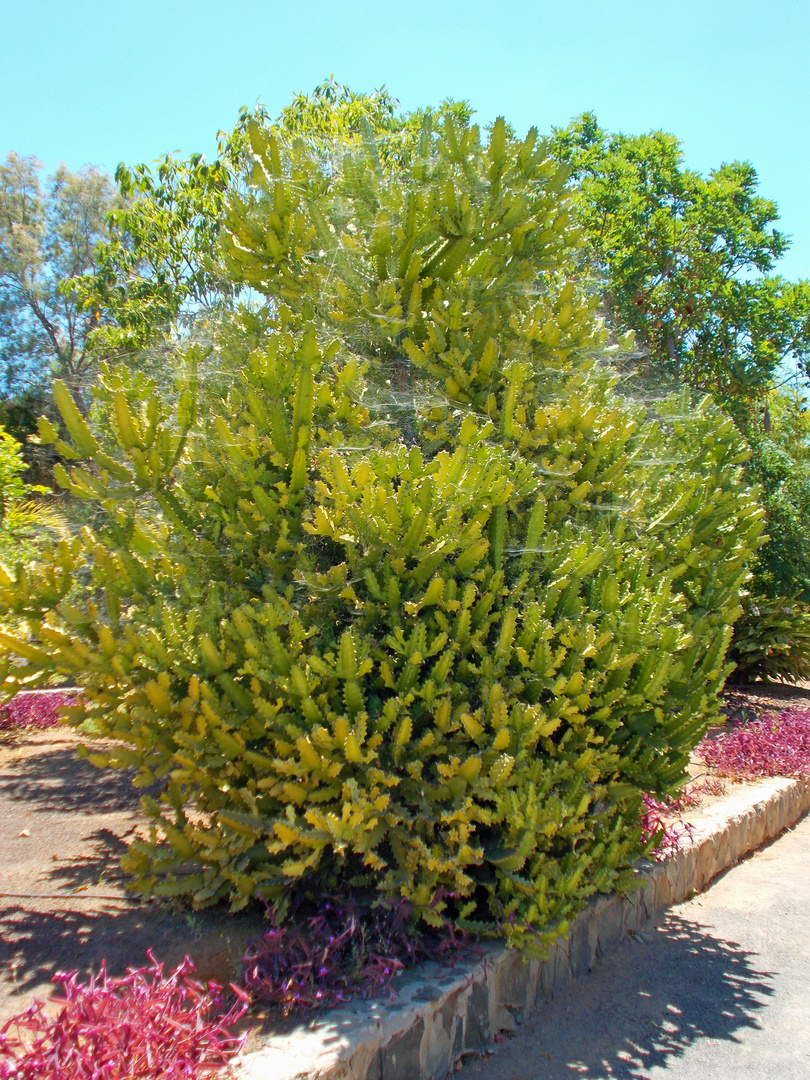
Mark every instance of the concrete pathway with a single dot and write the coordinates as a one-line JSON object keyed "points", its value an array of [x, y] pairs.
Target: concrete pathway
{"points": [[720, 991]]}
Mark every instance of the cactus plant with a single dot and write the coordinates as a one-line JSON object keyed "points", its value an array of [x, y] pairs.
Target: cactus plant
{"points": [[422, 604]]}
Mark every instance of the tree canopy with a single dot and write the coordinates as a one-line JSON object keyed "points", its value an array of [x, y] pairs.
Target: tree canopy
{"points": [[49, 237], [686, 261]]}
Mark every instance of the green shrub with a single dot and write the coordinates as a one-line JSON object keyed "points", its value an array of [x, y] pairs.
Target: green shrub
{"points": [[421, 604], [783, 566], [23, 519], [772, 640], [18, 416]]}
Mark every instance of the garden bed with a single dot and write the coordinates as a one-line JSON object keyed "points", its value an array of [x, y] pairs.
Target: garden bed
{"points": [[744, 701], [63, 901], [439, 1016], [64, 906]]}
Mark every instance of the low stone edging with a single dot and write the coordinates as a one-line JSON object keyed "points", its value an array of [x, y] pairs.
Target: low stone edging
{"points": [[441, 1014]]}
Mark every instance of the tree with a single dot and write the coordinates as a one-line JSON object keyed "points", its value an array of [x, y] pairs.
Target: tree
{"points": [[335, 115], [334, 111], [19, 415], [48, 244], [156, 265], [780, 466], [772, 639], [788, 421], [686, 261]]}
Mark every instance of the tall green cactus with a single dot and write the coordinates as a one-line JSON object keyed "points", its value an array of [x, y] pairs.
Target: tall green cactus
{"points": [[423, 604]]}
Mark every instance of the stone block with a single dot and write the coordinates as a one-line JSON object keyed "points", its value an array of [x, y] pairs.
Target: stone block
{"points": [[721, 853], [692, 868], [512, 977], [704, 864], [478, 1032], [582, 945], [436, 1052], [671, 868], [533, 985], [400, 1058], [684, 862], [746, 835], [562, 968], [546, 988], [663, 890], [504, 977], [757, 835], [771, 819], [736, 839], [631, 915], [460, 1048], [646, 899], [610, 927]]}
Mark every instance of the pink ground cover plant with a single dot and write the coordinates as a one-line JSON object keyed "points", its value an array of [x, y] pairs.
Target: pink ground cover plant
{"points": [[144, 1025], [664, 818], [769, 746], [342, 950], [662, 823], [36, 710]]}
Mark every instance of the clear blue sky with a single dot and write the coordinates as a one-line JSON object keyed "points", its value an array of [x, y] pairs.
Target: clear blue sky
{"points": [[103, 81]]}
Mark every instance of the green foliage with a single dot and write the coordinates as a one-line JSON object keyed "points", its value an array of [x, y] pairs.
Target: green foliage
{"points": [[422, 604], [772, 640], [22, 519], [783, 566], [685, 261], [787, 422], [18, 416], [156, 262], [48, 243], [159, 264], [334, 111], [12, 466]]}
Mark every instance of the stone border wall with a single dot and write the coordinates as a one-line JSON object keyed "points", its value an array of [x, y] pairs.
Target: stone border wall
{"points": [[438, 1014]]}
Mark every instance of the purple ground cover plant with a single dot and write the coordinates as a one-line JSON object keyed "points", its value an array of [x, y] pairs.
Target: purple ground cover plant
{"points": [[662, 823], [35, 710], [665, 816], [770, 746], [345, 949], [145, 1024]]}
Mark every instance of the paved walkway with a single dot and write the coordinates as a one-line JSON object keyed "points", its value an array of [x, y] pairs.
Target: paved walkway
{"points": [[720, 991]]}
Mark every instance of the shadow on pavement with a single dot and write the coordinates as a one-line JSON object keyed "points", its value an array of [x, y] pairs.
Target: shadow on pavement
{"points": [[664, 990], [55, 779], [37, 943], [97, 867]]}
